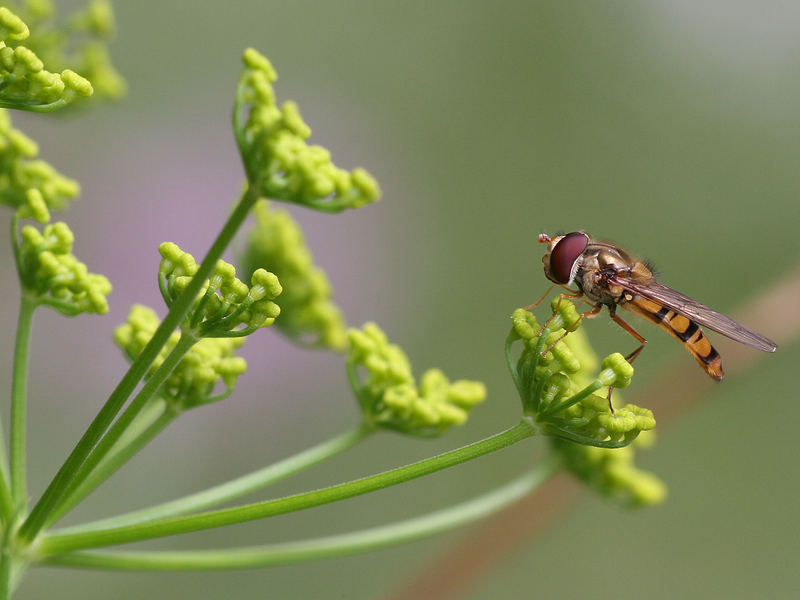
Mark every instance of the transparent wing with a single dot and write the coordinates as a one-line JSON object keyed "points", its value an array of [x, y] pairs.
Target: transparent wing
{"points": [[691, 309]]}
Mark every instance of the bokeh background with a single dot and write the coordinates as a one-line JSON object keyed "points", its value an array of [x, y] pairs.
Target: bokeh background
{"points": [[669, 126]]}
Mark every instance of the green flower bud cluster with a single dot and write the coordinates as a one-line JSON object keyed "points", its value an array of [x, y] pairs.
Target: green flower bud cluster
{"points": [[561, 389], [390, 398], [612, 473], [30, 185], [557, 389], [24, 82], [49, 271], [192, 383], [227, 307], [79, 41], [277, 158], [308, 315]]}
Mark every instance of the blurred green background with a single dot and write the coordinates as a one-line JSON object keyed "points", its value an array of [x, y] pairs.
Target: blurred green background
{"points": [[670, 127]]}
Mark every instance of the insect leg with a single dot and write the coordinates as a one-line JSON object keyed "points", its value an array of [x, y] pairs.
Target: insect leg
{"points": [[586, 315], [632, 356], [572, 294], [622, 323]]}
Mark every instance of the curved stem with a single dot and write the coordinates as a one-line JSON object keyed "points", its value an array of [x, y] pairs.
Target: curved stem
{"points": [[19, 392], [319, 548], [178, 311], [60, 543], [235, 488]]}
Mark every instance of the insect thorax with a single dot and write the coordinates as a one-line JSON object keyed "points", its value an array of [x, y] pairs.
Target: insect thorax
{"points": [[599, 263]]}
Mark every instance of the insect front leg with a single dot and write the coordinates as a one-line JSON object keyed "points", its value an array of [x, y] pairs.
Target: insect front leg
{"points": [[572, 294], [586, 315]]}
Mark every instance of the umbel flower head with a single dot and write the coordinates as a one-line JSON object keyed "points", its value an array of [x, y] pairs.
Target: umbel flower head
{"points": [[226, 307], [78, 41], [24, 82], [563, 392], [32, 186], [308, 315], [193, 381], [390, 398], [50, 272], [276, 156]]}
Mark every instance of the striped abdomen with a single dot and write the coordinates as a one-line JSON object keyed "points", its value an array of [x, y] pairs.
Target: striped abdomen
{"points": [[682, 328]]}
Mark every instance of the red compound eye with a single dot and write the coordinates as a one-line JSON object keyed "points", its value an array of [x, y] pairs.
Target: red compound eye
{"points": [[566, 252]]}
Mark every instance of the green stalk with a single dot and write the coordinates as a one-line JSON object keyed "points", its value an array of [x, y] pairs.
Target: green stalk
{"points": [[319, 548], [60, 543], [178, 311], [142, 431], [19, 392], [235, 488], [125, 420]]}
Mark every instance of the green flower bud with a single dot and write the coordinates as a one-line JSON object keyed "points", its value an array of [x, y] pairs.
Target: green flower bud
{"points": [[568, 401], [525, 324], [35, 207], [308, 314], [568, 312], [226, 307], [31, 186], [617, 371], [11, 26], [253, 59], [612, 472], [197, 376], [100, 18], [50, 271], [81, 46], [277, 158], [389, 396], [77, 84]]}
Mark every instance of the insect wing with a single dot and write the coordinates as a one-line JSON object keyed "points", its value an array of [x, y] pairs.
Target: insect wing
{"points": [[691, 309]]}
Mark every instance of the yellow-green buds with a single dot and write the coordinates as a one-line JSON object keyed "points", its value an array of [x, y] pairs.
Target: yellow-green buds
{"points": [[277, 159], [226, 307], [49, 271], [612, 473], [11, 26], [308, 314], [81, 45], [27, 184], [556, 378], [24, 82], [194, 379], [389, 396]]}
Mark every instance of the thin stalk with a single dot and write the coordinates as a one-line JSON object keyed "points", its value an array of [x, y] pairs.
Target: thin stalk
{"points": [[19, 393], [125, 420], [178, 311], [235, 488], [60, 543], [318, 548], [143, 430]]}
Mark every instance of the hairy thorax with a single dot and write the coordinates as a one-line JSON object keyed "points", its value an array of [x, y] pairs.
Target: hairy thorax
{"points": [[600, 264]]}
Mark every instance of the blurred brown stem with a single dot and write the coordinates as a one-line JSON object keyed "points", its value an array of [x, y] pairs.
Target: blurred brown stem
{"points": [[472, 557]]}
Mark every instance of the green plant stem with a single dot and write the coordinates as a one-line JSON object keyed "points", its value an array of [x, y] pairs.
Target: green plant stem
{"points": [[319, 548], [125, 420], [235, 488], [5, 566], [146, 427], [574, 399], [37, 108], [58, 544], [178, 311], [19, 392]]}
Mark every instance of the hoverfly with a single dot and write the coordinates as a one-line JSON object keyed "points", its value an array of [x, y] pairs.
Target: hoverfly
{"points": [[608, 276]]}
